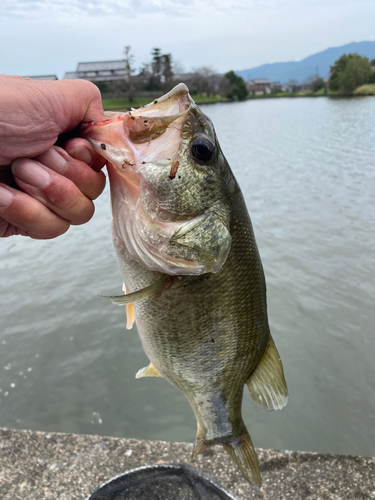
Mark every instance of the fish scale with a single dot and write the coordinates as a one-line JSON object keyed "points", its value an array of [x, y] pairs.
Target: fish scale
{"points": [[189, 260]]}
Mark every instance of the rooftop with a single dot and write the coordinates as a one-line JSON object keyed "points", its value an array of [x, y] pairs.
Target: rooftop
{"points": [[101, 66]]}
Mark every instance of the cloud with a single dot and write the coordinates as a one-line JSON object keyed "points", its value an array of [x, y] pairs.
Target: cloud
{"points": [[130, 8], [174, 8]]}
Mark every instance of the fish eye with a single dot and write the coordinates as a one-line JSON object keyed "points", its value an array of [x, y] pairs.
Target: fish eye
{"points": [[202, 149]]}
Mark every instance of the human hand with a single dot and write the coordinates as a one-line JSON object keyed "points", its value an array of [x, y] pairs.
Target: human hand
{"points": [[55, 189]]}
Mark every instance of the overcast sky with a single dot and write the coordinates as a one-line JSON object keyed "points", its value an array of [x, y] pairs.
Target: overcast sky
{"points": [[51, 36]]}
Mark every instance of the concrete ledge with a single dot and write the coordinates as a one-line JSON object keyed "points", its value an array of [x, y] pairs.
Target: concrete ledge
{"points": [[38, 466]]}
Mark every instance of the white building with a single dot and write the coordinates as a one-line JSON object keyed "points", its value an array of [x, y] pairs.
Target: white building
{"points": [[99, 71], [259, 86]]}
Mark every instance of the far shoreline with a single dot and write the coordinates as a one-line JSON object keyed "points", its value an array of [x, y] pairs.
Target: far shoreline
{"points": [[126, 105]]}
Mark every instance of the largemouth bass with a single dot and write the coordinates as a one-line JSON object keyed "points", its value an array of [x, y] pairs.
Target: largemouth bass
{"points": [[192, 274]]}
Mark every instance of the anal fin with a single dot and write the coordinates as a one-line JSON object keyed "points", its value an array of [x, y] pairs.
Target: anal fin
{"points": [[148, 371], [267, 384]]}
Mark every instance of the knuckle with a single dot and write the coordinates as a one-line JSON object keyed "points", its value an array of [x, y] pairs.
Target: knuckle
{"points": [[56, 230], [99, 186], [62, 195], [69, 202], [78, 210], [84, 215]]}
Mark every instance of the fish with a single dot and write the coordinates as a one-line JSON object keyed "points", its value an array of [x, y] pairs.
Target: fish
{"points": [[193, 278]]}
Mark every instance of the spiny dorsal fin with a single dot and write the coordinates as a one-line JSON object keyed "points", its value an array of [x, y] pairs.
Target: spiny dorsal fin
{"points": [[122, 300], [267, 384], [148, 371], [130, 313]]}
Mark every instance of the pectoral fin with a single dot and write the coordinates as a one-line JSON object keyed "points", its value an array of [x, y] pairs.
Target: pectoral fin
{"points": [[267, 384], [148, 371], [122, 300]]}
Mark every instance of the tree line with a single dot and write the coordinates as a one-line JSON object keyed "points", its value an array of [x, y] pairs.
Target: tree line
{"points": [[161, 73]]}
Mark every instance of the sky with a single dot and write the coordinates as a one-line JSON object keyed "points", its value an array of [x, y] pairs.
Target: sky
{"points": [[39, 37]]}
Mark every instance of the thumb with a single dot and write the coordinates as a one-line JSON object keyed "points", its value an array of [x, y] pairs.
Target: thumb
{"points": [[80, 102]]}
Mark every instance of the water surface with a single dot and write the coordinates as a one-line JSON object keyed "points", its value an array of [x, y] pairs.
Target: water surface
{"points": [[306, 167]]}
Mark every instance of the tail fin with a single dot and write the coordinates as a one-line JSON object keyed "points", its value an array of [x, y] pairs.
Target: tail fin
{"points": [[242, 452], [243, 455]]}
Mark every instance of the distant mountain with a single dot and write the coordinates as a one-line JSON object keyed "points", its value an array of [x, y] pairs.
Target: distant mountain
{"points": [[300, 70]]}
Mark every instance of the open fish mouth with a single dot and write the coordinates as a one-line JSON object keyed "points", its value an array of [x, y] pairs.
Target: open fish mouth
{"points": [[149, 134]]}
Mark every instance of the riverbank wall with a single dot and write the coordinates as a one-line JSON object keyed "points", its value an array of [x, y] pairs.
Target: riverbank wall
{"points": [[41, 466]]}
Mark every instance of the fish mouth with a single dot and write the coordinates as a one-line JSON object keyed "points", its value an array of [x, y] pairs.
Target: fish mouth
{"points": [[149, 134]]}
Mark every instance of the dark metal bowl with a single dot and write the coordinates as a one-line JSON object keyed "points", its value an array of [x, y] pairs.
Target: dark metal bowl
{"points": [[162, 482]]}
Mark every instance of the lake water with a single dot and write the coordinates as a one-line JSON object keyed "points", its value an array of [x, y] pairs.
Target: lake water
{"points": [[306, 167]]}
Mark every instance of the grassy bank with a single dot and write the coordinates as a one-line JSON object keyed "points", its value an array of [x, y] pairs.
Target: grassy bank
{"points": [[125, 104], [368, 89]]}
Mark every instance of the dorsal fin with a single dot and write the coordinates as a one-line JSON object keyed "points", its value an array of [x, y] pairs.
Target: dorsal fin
{"points": [[267, 384], [148, 371]]}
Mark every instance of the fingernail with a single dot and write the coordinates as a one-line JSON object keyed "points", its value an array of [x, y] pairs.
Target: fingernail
{"points": [[54, 160], [81, 154], [31, 172], [6, 196]]}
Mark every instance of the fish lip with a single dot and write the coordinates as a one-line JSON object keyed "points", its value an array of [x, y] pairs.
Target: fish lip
{"points": [[181, 88]]}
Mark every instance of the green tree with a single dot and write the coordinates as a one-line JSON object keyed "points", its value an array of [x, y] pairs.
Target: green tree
{"points": [[237, 89], [349, 72]]}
